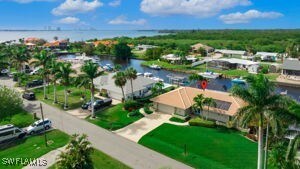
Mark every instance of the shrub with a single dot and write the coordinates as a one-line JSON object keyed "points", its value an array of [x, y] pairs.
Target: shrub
{"points": [[147, 109], [178, 120], [201, 122], [131, 105], [134, 113]]}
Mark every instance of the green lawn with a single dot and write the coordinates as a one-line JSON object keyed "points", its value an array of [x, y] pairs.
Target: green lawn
{"points": [[21, 119], [33, 147], [74, 98], [207, 148], [101, 160], [113, 118]]}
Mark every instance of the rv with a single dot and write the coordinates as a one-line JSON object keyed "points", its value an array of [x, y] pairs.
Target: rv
{"points": [[10, 132]]}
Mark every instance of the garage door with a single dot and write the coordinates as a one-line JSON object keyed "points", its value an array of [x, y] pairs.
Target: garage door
{"points": [[165, 109]]}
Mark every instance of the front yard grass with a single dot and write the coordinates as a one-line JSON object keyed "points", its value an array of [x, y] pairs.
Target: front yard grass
{"points": [[74, 98], [205, 147], [114, 117], [33, 147], [101, 160], [21, 119]]}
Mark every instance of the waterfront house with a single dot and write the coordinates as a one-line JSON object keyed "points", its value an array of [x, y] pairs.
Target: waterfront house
{"points": [[195, 48], [267, 56], [231, 53], [234, 63], [105, 42], [179, 103], [144, 47], [175, 58], [141, 87], [291, 68], [57, 44]]}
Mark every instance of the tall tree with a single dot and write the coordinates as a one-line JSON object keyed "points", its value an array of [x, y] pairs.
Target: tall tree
{"points": [[120, 81], [77, 155], [20, 55], [261, 102], [42, 59], [199, 102], [131, 75], [91, 71], [54, 72], [209, 102], [64, 73]]}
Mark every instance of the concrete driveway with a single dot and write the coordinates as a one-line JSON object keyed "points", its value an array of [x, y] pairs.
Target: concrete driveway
{"points": [[138, 129]]}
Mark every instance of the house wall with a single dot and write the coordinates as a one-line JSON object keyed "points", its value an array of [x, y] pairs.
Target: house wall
{"points": [[215, 116]]}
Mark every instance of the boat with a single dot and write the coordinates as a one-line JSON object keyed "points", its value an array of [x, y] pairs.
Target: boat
{"points": [[284, 93], [156, 67], [148, 74], [157, 79], [139, 74], [209, 75], [238, 80]]}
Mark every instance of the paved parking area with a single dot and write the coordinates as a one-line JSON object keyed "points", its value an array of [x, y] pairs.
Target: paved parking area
{"points": [[138, 129]]}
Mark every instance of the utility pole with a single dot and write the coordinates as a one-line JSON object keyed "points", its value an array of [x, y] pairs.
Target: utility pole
{"points": [[44, 124]]}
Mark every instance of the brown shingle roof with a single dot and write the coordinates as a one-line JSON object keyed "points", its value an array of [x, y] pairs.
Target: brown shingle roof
{"points": [[183, 98]]}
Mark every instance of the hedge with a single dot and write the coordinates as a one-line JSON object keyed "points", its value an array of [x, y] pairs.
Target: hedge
{"points": [[201, 122]]}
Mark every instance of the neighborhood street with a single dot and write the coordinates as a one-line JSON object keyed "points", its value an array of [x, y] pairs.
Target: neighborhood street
{"points": [[126, 151]]}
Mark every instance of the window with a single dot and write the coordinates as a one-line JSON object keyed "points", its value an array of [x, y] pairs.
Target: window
{"points": [[18, 131], [7, 133]]}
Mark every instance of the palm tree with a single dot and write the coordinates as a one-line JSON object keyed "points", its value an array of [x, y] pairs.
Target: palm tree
{"points": [[54, 71], [209, 102], [157, 88], [43, 59], [131, 75], [91, 71], [20, 55], [120, 81], [262, 102], [78, 154], [199, 102], [64, 73]]}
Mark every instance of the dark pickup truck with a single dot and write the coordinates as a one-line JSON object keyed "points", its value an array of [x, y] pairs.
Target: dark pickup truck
{"points": [[34, 83], [98, 104]]}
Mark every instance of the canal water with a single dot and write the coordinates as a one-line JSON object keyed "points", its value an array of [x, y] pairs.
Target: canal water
{"points": [[214, 84]]}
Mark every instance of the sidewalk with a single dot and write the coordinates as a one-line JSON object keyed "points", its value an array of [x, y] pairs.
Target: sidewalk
{"points": [[50, 157]]}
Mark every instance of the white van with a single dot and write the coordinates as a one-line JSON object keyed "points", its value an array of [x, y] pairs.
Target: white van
{"points": [[10, 132]]}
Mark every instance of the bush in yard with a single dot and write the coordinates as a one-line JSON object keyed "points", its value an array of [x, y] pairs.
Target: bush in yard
{"points": [[134, 113], [201, 122], [147, 109], [131, 105], [10, 102]]}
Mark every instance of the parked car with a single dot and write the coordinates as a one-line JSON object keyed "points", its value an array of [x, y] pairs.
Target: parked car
{"points": [[10, 132], [4, 71], [38, 126], [35, 71], [86, 105], [98, 104], [34, 83], [28, 95]]}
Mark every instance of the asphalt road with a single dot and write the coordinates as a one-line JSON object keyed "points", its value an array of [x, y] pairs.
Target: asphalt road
{"points": [[128, 152]]}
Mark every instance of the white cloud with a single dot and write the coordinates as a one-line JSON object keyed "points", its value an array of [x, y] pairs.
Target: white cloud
{"points": [[28, 1], [122, 20], [115, 3], [71, 7], [238, 17], [198, 8], [69, 20]]}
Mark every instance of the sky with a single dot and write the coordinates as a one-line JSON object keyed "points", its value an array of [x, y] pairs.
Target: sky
{"points": [[150, 14]]}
